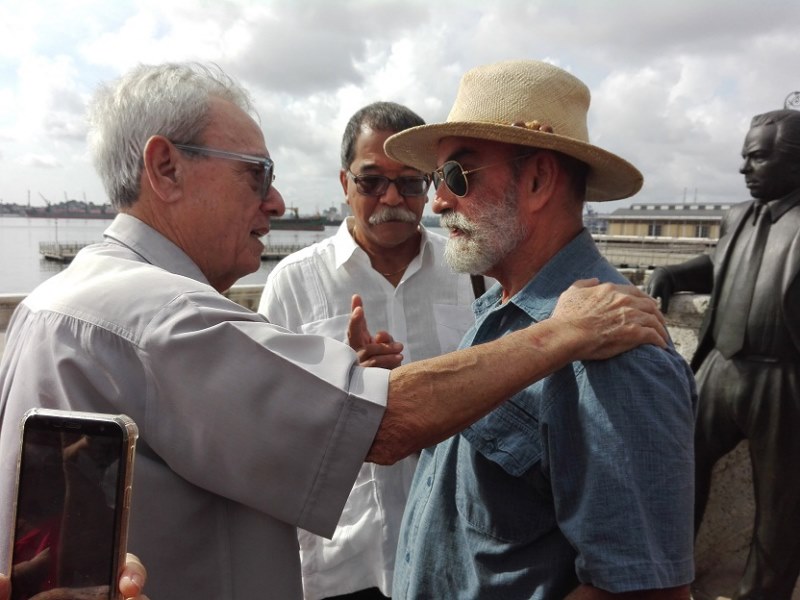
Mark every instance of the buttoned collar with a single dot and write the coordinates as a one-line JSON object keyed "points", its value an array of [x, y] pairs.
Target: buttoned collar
{"points": [[345, 246], [152, 246], [538, 297]]}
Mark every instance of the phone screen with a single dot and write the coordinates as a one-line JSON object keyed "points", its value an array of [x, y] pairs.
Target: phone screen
{"points": [[70, 500]]}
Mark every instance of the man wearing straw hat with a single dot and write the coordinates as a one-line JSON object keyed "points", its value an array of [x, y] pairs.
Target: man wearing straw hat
{"points": [[581, 485]]}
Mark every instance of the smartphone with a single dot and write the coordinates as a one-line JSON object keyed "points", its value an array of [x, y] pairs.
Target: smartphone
{"points": [[74, 477]]}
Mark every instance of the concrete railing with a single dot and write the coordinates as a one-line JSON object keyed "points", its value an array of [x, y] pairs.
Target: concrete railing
{"points": [[8, 302], [684, 317], [246, 295]]}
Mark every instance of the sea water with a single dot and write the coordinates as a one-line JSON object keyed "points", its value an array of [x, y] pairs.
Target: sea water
{"points": [[22, 267]]}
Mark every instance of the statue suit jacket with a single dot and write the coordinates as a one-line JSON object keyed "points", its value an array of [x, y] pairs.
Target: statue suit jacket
{"points": [[716, 266]]}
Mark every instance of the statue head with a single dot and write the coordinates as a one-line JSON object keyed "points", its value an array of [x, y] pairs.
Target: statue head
{"points": [[771, 154]]}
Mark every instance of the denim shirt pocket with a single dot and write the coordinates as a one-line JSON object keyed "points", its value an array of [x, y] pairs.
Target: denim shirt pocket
{"points": [[508, 436], [501, 493]]}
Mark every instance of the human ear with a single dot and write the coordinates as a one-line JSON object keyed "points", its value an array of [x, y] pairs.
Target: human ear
{"points": [[541, 174], [162, 168]]}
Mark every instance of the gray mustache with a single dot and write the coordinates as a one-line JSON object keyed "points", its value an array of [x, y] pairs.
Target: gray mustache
{"points": [[454, 220], [392, 213]]}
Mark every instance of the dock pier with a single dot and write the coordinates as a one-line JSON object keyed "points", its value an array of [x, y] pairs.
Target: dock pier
{"points": [[280, 251], [58, 252], [64, 253]]}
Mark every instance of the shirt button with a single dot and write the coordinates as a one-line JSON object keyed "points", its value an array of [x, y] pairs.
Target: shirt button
{"points": [[408, 557], [430, 481]]}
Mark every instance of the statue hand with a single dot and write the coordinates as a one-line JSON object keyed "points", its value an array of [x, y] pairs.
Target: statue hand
{"points": [[661, 285]]}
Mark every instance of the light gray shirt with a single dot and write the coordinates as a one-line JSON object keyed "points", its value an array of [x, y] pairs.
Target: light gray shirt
{"points": [[246, 430]]}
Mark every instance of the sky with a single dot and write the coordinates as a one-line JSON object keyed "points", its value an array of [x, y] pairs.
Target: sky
{"points": [[674, 84]]}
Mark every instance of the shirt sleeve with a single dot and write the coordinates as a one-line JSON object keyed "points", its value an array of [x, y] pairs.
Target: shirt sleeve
{"points": [[619, 449], [276, 421]]}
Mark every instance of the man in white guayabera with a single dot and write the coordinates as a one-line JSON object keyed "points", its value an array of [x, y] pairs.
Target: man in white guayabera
{"points": [[396, 267]]}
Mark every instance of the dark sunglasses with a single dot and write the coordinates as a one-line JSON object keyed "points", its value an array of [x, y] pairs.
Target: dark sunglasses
{"points": [[266, 164], [376, 185], [455, 177]]}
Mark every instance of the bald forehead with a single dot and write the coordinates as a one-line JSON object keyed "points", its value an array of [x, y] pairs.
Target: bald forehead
{"points": [[231, 127]]}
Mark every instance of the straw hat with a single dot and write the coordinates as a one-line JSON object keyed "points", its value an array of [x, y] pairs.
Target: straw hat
{"points": [[526, 102]]}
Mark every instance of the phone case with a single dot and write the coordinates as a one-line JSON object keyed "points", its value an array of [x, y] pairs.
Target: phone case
{"points": [[77, 421]]}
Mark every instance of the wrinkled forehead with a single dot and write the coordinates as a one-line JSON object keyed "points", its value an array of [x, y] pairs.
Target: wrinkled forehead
{"points": [[230, 127]]}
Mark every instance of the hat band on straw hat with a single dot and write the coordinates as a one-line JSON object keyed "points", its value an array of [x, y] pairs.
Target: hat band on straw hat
{"points": [[527, 103]]}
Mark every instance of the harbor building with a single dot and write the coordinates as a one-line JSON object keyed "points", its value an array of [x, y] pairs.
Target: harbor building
{"points": [[687, 220]]}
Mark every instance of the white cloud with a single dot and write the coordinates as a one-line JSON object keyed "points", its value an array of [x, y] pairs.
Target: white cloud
{"points": [[45, 161], [674, 84]]}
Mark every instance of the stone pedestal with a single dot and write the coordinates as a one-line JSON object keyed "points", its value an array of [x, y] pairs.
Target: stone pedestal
{"points": [[723, 541]]}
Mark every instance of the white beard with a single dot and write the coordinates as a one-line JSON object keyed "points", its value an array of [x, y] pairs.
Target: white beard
{"points": [[488, 238]]}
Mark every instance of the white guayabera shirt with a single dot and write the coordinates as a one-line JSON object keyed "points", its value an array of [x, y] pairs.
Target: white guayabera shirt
{"points": [[429, 312]]}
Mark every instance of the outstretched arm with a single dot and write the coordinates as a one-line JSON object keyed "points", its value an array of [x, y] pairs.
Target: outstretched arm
{"points": [[431, 400]]}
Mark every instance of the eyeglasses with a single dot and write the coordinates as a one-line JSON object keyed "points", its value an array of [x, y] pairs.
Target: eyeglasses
{"points": [[267, 165], [376, 185], [455, 177]]}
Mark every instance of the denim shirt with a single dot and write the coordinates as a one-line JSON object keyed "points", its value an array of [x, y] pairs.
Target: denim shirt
{"points": [[586, 476]]}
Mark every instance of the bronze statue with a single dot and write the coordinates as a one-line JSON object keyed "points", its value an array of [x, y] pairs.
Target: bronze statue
{"points": [[747, 362]]}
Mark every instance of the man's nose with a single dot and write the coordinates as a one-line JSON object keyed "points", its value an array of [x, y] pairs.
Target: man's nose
{"points": [[273, 204], [392, 195], [443, 199]]}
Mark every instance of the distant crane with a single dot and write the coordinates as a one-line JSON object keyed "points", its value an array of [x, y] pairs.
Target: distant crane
{"points": [[46, 201]]}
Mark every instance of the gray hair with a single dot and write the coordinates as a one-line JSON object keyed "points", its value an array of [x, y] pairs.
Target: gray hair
{"points": [[380, 116], [170, 99]]}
